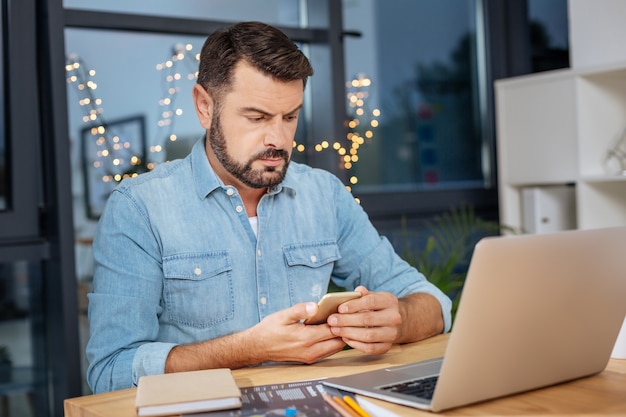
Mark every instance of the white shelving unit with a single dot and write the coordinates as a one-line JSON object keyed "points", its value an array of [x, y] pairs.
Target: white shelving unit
{"points": [[556, 128]]}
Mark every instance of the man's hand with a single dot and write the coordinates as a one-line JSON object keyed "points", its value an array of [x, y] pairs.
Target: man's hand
{"points": [[279, 337], [283, 337], [377, 320]]}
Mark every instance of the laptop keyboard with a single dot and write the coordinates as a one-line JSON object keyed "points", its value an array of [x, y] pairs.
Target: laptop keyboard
{"points": [[421, 388]]}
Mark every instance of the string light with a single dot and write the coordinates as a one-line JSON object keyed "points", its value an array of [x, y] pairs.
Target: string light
{"points": [[114, 156], [361, 126], [181, 65]]}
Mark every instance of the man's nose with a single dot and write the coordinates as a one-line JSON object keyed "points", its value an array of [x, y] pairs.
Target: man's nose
{"points": [[278, 134]]}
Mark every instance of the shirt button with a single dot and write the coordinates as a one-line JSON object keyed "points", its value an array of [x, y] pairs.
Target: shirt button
{"points": [[230, 191], [263, 300], [258, 252], [239, 209], [313, 258], [197, 271]]}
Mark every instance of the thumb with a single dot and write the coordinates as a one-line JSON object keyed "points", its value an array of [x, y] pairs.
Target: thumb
{"points": [[302, 311]]}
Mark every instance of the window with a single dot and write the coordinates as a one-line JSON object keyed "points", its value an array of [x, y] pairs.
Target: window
{"points": [[419, 77], [549, 32], [138, 87], [415, 96], [424, 128]]}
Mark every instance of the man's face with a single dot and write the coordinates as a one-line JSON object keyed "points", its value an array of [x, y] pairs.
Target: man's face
{"points": [[252, 137]]}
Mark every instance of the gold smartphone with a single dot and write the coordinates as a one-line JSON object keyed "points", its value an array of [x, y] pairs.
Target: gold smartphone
{"points": [[329, 305]]}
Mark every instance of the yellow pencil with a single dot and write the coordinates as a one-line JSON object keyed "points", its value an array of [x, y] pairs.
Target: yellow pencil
{"points": [[355, 406], [335, 405], [345, 406]]}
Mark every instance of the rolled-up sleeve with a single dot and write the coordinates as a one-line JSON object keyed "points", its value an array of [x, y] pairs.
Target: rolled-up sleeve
{"points": [[369, 259]]}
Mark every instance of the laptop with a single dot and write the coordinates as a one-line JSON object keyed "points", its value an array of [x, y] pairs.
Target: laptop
{"points": [[536, 310]]}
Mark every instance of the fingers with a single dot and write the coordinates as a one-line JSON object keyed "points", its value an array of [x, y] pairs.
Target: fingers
{"points": [[369, 348], [362, 290], [284, 338], [320, 350], [372, 309], [370, 324], [369, 301], [366, 334]]}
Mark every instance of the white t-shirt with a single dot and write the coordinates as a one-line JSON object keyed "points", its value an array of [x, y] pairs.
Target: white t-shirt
{"points": [[254, 222]]}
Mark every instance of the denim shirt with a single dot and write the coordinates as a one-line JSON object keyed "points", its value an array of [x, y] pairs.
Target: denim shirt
{"points": [[177, 262]]}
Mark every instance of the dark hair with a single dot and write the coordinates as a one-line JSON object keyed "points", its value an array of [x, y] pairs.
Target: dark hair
{"points": [[261, 45]]}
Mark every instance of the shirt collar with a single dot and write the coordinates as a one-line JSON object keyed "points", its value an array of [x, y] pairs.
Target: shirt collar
{"points": [[205, 178]]}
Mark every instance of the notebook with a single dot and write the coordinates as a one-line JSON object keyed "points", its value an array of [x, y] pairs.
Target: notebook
{"points": [[536, 310], [187, 392]]}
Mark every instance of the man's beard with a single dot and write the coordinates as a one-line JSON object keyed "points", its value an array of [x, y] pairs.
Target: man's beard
{"points": [[265, 178]]}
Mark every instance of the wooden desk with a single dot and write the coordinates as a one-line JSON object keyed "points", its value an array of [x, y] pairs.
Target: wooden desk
{"points": [[599, 395]]}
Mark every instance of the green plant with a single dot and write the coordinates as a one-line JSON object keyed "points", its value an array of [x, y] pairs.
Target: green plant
{"points": [[5, 355], [449, 244]]}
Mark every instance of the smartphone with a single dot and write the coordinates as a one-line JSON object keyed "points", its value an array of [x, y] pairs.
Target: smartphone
{"points": [[329, 305]]}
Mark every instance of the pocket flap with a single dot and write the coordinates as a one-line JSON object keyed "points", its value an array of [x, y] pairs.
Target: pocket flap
{"points": [[312, 255], [196, 266]]}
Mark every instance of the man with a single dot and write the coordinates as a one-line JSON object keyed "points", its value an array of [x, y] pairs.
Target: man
{"points": [[215, 260]]}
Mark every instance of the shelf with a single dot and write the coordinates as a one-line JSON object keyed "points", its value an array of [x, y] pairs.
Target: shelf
{"points": [[536, 125], [557, 128], [601, 204], [604, 179]]}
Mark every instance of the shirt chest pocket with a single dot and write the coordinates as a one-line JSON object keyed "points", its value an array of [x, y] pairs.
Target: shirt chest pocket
{"points": [[198, 288], [310, 266]]}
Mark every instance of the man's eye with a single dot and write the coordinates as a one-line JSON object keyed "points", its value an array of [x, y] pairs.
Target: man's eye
{"points": [[255, 118]]}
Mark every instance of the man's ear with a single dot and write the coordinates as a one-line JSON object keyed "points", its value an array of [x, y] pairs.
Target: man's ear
{"points": [[204, 105]]}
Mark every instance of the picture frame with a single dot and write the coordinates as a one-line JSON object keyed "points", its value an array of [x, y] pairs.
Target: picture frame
{"points": [[111, 151]]}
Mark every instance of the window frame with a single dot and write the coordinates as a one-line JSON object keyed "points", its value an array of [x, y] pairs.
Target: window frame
{"points": [[20, 220]]}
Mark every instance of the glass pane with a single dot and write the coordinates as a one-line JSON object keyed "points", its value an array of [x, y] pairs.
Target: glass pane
{"points": [[278, 12], [549, 34], [23, 381], [413, 96], [3, 158], [130, 85]]}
